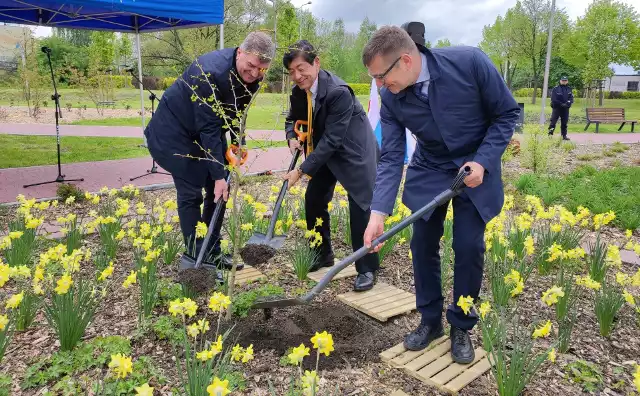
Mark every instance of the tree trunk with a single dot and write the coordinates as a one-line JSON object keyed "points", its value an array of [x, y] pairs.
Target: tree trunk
{"points": [[535, 81]]}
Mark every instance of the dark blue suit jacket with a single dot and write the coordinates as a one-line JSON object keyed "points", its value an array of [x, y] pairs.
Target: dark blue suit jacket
{"points": [[179, 121], [473, 114]]}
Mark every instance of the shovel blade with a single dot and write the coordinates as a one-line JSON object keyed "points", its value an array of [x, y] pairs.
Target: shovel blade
{"points": [[187, 262], [281, 302], [257, 239], [275, 242]]}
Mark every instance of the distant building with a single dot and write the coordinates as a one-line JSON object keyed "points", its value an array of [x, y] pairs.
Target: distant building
{"points": [[623, 83]]}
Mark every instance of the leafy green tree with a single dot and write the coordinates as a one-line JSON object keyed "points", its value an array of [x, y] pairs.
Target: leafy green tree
{"points": [[499, 44], [445, 42], [530, 24], [609, 32]]}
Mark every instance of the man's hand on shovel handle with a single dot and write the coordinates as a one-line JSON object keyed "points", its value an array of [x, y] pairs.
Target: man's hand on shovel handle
{"points": [[375, 228], [220, 189], [294, 144]]}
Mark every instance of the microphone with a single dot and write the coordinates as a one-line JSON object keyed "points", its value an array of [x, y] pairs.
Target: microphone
{"points": [[129, 69], [46, 50]]}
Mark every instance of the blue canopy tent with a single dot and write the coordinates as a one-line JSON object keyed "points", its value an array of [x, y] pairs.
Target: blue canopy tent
{"points": [[130, 16]]}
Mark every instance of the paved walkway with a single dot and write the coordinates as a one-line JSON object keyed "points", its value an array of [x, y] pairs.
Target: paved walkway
{"points": [[114, 174], [108, 131]]}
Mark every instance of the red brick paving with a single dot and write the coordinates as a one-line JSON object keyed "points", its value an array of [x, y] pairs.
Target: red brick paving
{"points": [[113, 174]]}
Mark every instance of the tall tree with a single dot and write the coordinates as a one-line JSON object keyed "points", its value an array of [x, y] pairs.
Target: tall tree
{"points": [[531, 21], [498, 43], [358, 72], [77, 37], [608, 33], [445, 42]]}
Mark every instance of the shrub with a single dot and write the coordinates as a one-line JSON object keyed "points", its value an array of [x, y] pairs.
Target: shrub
{"points": [[526, 93], [167, 82], [65, 191], [538, 152], [360, 88]]}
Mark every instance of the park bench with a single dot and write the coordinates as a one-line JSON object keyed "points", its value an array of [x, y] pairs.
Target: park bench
{"points": [[607, 115]]}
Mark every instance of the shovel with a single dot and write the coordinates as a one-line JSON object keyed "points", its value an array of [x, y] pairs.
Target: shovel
{"points": [[190, 270], [279, 302], [261, 247]]}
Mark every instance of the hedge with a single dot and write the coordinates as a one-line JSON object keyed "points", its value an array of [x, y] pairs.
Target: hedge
{"points": [[360, 88]]}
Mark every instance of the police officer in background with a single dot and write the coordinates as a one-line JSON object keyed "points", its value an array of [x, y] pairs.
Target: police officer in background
{"points": [[561, 101]]}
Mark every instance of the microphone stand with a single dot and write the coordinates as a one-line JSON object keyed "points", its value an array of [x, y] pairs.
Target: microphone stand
{"points": [[55, 97], [152, 97]]}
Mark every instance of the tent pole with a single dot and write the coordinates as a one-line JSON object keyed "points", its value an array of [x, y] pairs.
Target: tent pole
{"points": [[141, 88], [221, 35]]}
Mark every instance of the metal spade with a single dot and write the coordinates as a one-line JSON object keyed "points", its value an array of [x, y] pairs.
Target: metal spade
{"points": [[280, 302]]}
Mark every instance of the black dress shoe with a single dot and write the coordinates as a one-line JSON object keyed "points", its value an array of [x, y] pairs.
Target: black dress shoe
{"points": [[421, 337], [461, 348], [364, 281], [326, 260], [224, 261], [565, 138]]}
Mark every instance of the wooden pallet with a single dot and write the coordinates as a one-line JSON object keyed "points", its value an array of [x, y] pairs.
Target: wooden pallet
{"points": [[382, 302], [345, 273], [434, 365], [247, 274]]}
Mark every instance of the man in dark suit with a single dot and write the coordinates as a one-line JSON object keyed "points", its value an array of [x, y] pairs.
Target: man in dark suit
{"points": [[462, 114], [561, 101], [342, 148], [180, 122]]}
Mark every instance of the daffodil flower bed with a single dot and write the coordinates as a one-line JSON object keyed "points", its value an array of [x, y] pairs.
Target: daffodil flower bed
{"points": [[540, 270]]}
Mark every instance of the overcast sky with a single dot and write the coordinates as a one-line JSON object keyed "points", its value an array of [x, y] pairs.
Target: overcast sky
{"points": [[461, 21]]}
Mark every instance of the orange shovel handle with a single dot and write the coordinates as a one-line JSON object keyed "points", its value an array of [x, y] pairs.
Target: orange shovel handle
{"points": [[231, 153]]}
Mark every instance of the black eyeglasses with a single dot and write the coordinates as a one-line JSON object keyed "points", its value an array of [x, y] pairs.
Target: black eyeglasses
{"points": [[383, 75]]}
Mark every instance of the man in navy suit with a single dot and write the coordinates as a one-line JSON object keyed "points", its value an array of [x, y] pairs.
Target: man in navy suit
{"points": [[462, 114], [180, 123]]}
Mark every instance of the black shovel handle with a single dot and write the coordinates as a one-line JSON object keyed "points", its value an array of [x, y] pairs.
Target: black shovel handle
{"points": [[455, 189], [212, 224], [283, 190]]}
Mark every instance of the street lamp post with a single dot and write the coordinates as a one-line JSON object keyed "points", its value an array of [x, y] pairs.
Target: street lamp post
{"points": [[299, 19]]}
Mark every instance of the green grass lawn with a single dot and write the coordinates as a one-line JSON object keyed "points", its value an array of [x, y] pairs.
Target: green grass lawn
{"points": [[267, 110], [615, 189], [20, 150]]}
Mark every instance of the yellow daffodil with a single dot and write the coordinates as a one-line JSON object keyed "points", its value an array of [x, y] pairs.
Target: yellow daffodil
{"points": [[246, 227], [628, 233], [63, 284], [219, 302], [15, 234], [622, 278], [556, 227], [14, 301], [193, 330], [550, 296], [237, 352], [552, 355], [131, 279], [636, 378], [613, 256], [465, 303], [542, 331], [218, 387], [144, 390], [121, 365], [323, 342], [484, 309], [297, 355], [318, 222], [628, 297], [4, 321], [248, 354], [528, 245], [310, 382], [588, 282]]}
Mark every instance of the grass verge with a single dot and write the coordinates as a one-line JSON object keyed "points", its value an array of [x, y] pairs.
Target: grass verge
{"points": [[615, 189], [22, 150]]}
